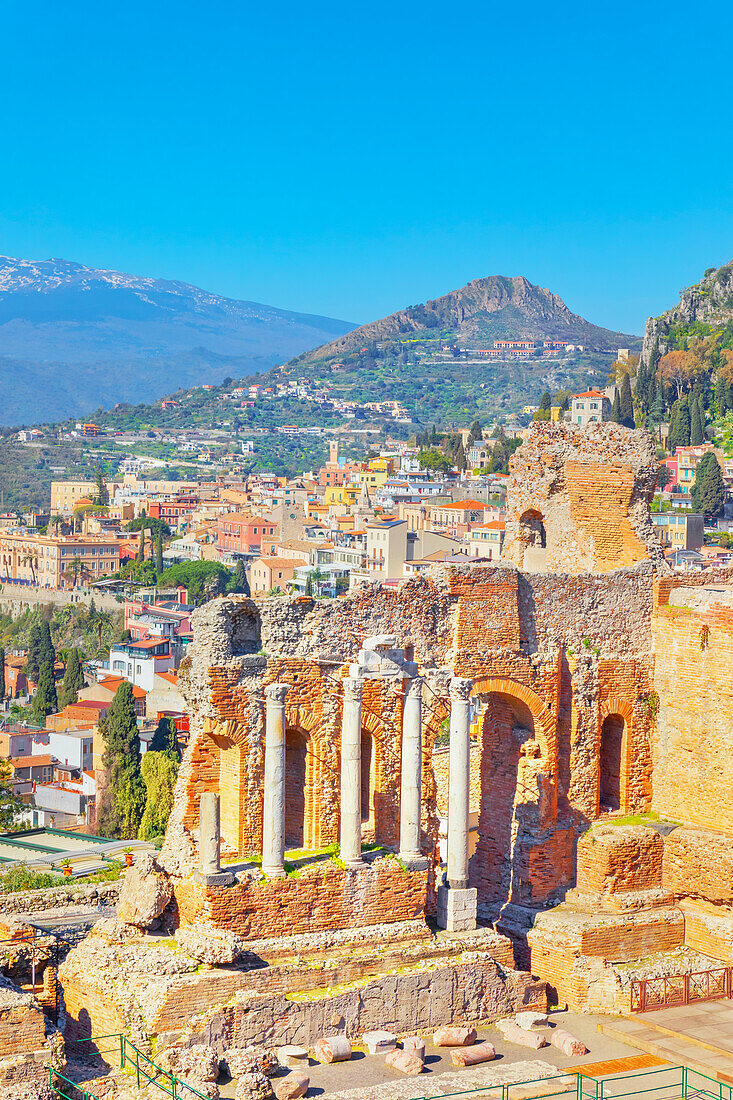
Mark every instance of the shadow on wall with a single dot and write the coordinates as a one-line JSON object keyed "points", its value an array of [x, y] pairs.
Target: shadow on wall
{"points": [[246, 629], [534, 538]]}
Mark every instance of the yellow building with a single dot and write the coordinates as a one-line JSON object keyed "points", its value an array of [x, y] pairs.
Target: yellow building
{"points": [[342, 494], [64, 562], [66, 494]]}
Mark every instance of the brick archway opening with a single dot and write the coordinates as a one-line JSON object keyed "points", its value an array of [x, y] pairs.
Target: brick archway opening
{"points": [[367, 778], [533, 537], [298, 777], [611, 759], [512, 765]]}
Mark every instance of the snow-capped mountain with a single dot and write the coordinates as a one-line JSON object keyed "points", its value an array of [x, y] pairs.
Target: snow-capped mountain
{"points": [[73, 338]]}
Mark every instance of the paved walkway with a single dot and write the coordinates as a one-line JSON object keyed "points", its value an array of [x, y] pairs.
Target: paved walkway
{"points": [[697, 1035], [366, 1071]]}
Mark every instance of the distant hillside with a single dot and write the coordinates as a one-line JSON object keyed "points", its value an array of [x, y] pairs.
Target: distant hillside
{"points": [[422, 357], [73, 338], [494, 308], [703, 309]]}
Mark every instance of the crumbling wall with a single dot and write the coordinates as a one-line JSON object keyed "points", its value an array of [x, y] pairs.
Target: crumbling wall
{"points": [[578, 499], [692, 742]]}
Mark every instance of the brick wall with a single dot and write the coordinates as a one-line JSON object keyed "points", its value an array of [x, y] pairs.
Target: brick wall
{"points": [[323, 897], [616, 859]]}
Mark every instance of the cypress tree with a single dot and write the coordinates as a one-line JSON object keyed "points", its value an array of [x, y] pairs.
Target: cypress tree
{"points": [[626, 403], [546, 401], [121, 758], [73, 680], [616, 409], [159, 772], [141, 544], [2, 673], [696, 432], [45, 701], [165, 738], [708, 489], [239, 582], [33, 656], [159, 554], [679, 426]]}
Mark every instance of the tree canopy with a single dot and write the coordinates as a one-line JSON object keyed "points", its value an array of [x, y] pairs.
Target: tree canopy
{"points": [[708, 489]]}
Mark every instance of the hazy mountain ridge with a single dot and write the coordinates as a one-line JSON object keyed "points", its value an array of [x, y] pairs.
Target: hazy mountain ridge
{"points": [[494, 307], [142, 337]]}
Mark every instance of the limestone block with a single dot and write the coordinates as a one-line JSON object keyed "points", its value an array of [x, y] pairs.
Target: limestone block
{"points": [[114, 931], [291, 1087], [332, 1048], [415, 1044], [253, 1086], [456, 909], [404, 1061], [379, 1042], [215, 946], [472, 1056], [567, 1043], [454, 1037], [241, 1060], [518, 1035], [292, 1057], [528, 1020], [199, 1063], [145, 893]]}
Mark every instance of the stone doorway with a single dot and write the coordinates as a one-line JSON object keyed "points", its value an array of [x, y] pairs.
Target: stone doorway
{"points": [[611, 763]]}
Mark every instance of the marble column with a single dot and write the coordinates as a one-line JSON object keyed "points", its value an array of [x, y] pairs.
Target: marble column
{"points": [[210, 872], [456, 900], [273, 821], [350, 832], [458, 782], [411, 772]]}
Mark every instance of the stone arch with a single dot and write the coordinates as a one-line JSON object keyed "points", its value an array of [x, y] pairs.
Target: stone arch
{"points": [[533, 539], [540, 712], [615, 727], [225, 751], [305, 771], [518, 795]]}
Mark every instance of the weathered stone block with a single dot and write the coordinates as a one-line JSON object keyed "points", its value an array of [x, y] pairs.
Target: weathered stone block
{"points": [[456, 909]]}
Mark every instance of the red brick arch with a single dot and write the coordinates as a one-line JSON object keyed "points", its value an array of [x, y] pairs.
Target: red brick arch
{"points": [[545, 723]]}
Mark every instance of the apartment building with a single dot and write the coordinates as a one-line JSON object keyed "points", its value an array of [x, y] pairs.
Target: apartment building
{"points": [[243, 534], [65, 495], [56, 562], [590, 407]]}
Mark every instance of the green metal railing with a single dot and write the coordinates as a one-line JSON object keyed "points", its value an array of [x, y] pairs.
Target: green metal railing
{"points": [[662, 1083]]}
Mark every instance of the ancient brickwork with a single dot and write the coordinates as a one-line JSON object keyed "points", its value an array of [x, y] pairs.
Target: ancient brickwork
{"points": [[692, 744], [578, 500], [321, 897], [615, 859]]}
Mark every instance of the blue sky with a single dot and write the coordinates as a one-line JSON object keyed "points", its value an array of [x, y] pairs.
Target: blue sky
{"points": [[352, 159]]}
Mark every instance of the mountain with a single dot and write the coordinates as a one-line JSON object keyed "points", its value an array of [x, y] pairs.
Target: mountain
{"points": [[73, 338], [705, 308], [493, 308]]}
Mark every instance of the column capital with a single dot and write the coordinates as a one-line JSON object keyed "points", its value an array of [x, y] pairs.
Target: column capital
{"points": [[460, 688], [276, 693], [414, 687], [353, 688]]}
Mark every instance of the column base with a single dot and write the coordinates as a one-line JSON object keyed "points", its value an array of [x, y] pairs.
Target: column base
{"points": [[218, 878], [354, 864], [456, 909], [414, 861], [273, 872]]}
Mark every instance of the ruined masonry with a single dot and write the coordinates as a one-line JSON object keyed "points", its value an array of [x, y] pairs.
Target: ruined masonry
{"points": [[579, 682]]}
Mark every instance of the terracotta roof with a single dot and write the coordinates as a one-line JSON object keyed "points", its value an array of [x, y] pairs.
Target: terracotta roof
{"points": [[171, 677], [113, 682], [465, 505], [589, 393], [494, 524], [30, 761]]}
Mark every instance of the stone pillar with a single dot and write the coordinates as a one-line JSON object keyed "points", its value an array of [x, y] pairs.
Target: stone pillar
{"points": [[458, 782], [273, 821], [210, 872], [350, 832], [456, 909], [411, 773]]}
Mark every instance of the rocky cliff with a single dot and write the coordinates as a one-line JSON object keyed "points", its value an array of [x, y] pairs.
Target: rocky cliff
{"points": [[709, 302]]}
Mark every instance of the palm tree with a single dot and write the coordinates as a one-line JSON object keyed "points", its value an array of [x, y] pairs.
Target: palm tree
{"points": [[100, 618], [32, 560], [72, 571]]}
